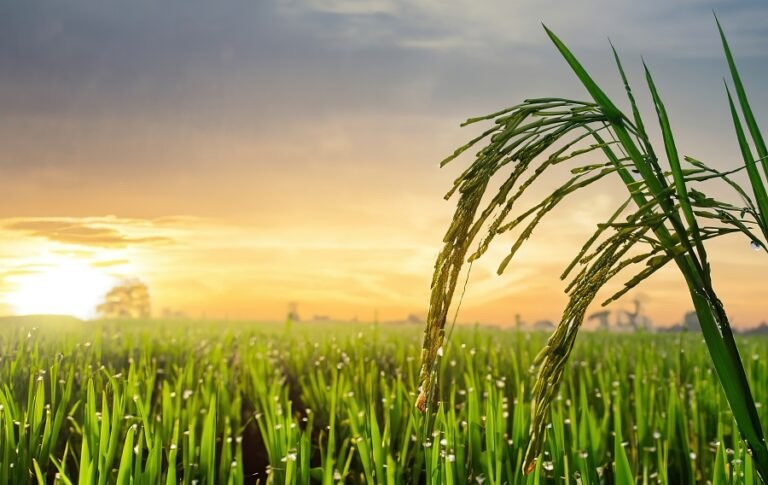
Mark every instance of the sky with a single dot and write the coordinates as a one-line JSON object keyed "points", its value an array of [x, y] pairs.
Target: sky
{"points": [[237, 156]]}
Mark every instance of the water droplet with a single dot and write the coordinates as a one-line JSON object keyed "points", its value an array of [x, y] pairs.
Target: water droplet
{"points": [[755, 245], [548, 466], [289, 457]]}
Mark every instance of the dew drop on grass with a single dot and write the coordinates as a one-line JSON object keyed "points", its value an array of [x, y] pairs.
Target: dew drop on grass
{"points": [[289, 457], [548, 466], [755, 245], [451, 458]]}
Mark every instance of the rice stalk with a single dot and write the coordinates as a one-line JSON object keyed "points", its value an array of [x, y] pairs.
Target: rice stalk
{"points": [[669, 222]]}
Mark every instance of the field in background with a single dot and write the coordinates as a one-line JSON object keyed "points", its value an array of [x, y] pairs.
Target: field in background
{"points": [[203, 402]]}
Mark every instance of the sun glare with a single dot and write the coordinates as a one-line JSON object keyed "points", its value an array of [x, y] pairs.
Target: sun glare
{"points": [[67, 287]]}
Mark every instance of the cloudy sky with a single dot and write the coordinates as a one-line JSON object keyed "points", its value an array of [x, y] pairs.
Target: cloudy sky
{"points": [[240, 155]]}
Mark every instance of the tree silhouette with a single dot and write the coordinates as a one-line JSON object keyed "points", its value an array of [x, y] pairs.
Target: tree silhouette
{"points": [[602, 318], [129, 299]]}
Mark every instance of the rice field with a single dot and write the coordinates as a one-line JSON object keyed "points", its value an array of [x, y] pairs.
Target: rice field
{"points": [[229, 403]]}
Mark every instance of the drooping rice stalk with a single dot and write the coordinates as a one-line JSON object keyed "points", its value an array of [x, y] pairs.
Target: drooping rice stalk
{"points": [[665, 219]]}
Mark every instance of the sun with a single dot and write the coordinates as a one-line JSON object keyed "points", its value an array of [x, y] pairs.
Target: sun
{"points": [[63, 287]]}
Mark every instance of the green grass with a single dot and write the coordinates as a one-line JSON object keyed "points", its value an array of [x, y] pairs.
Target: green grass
{"points": [[200, 402]]}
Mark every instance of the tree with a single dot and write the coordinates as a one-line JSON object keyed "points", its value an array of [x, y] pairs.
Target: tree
{"points": [[129, 299], [602, 318]]}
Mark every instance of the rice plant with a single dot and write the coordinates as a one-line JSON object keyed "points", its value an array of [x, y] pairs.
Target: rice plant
{"points": [[666, 218]]}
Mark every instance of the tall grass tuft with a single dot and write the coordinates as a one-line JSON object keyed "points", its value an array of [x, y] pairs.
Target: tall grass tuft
{"points": [[666, 218]]}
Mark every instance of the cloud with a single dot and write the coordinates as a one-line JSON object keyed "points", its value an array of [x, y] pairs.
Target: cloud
{"points": [[22, 271], [354, 7], [176, 221], [110, 263], [653, 27], [81, 233]]}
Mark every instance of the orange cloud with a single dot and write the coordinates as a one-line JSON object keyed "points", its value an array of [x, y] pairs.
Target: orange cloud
{"points": [[82, 233]]}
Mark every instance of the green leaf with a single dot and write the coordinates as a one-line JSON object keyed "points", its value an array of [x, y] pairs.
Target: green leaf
{"points": [[741, 93]]}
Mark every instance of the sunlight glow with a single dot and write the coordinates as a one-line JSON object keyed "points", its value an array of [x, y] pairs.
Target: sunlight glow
{"points": [[68, 287]]}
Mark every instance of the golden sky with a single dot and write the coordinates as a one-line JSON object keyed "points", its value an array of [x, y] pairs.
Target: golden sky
{"points": [[243, 157]]}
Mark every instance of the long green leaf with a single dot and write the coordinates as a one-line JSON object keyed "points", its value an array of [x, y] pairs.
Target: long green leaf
{"points": [[741, 93]]}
